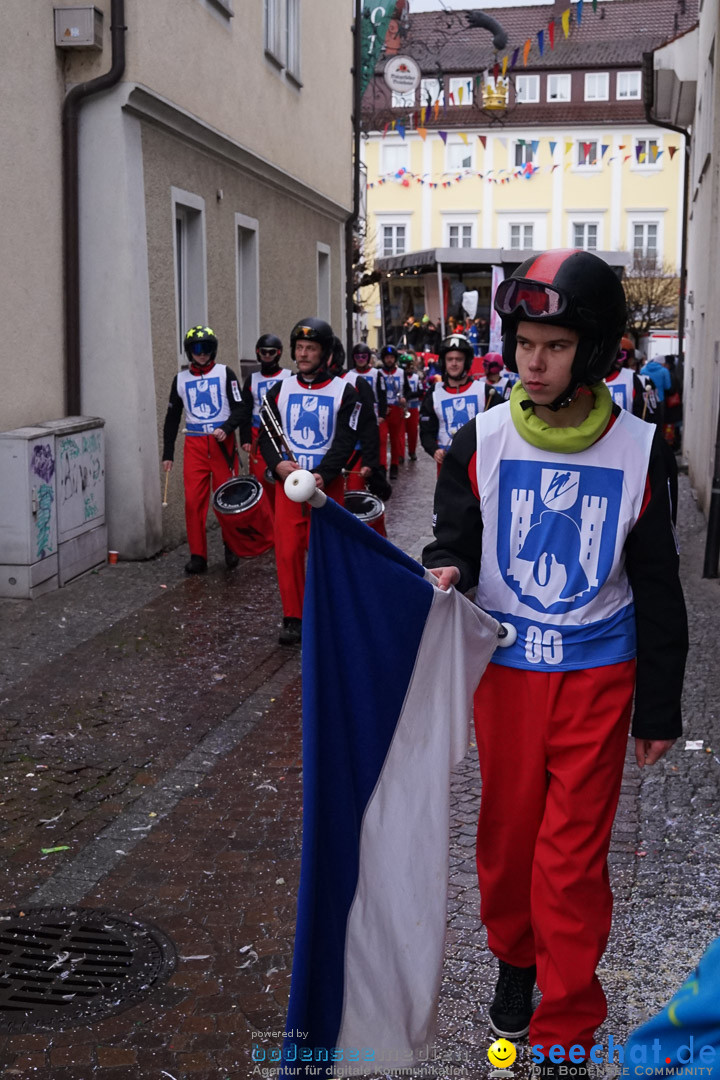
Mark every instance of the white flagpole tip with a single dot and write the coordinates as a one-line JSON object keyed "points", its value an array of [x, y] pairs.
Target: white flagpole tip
{"points": [[300, 486], [507, 635]]}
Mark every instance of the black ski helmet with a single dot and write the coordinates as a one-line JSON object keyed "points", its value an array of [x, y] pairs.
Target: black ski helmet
{"points": [[313, 330], [268, 341], [569, 288], [456, 343], [361, 349], [337, 358], [200, 335], [391, 351]]}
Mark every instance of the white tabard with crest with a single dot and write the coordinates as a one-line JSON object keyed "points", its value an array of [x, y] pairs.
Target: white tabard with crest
{"points": [[554, 530], [454, 410], [259, 386], [309, 418], [205, 399], [621, 388]]}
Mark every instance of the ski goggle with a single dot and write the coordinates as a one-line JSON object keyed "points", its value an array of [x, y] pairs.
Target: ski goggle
{"points": [[201, 348], [268, 352], [535, 298]]}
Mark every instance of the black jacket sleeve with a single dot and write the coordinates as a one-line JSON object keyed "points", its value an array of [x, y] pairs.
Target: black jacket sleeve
{"points": [[232, 389], [382, 397], [173, 416], [652, 564], [457, 522], [245, 412], [367, 429], [429, 425], [266, 444]]}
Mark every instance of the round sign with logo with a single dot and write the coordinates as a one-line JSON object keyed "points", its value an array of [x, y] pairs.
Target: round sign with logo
{"points": [[402, 74]]}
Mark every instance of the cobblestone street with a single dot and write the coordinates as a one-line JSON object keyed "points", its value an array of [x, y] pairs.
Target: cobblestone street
{"points": [[150, 730]]}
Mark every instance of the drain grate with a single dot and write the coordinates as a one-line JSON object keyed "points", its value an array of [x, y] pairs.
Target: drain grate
{"points": [[68, 967]]}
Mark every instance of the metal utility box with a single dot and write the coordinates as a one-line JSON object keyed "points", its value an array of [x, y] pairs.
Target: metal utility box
{"points": [[79, 451], [28, 518], [78, 27]]}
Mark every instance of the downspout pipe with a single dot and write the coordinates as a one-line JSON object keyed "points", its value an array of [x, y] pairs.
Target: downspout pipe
{"points": [[71, 202], [352, 220]]}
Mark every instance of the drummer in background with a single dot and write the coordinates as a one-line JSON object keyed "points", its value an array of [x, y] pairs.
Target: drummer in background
{"points": [[364, 372], [210, 395], [452, 402], [495, 380], [412, 414], [626, 387], [363, 467], [268, 351], [318, 415]]}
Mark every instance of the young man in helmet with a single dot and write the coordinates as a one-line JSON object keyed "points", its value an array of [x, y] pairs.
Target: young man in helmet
{"points": [[318, 415], [626, 387], [397, 390], [453, 401], [210, 396], [556, 507], [414, 398], [363, 469], [268, 351], [496, 382]]}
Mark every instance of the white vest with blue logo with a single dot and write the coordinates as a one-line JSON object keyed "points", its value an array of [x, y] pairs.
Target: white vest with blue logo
{"points": [[454, 410], [554, 533], [205, 400], [370, 376], [309, 418], [259, 385], [414, 384], [394, 384], [621, 388]]}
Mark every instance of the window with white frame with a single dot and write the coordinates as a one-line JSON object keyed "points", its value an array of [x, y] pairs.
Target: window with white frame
{"points": [[431, 92], [527, 88], [393, 238], [521, 235], [558, 88], [248, 285], [190, 263], [394, 156], [629, 85], [585, 235], [458, 156], [459, 234], [323, 282], [403, 99], [646, 154], [524, 153], [282, 33], [587, 153], [460, 91], [597, 85], [645, 240]]}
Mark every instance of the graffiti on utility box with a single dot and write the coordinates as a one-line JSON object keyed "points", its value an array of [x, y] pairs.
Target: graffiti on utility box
{"points": [[80, 479]]}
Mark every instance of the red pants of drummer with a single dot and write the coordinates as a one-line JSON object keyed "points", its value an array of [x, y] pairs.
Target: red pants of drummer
{"points": [[292, 535], [203, 463], [395, 421], [552, 748], [412, 425]]}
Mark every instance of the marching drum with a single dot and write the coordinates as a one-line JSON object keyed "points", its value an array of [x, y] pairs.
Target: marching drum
{"points": [[368, 508], [246, 514]]}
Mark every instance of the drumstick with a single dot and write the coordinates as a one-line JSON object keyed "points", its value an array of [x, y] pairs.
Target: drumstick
{"points": [[167, 480]]}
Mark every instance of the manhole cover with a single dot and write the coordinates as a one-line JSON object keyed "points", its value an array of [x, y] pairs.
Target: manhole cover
{"points": [[68, 967]]}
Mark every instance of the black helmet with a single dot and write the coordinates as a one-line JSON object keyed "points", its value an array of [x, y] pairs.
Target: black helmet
{"points": [[456, 343], [200, 335], [268, 341], [575, 289], [361, 349], [313, 330], [389, 351], [337, 358]]}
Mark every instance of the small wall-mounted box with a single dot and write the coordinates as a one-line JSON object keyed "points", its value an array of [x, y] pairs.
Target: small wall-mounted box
{"points": [[78, 27]]}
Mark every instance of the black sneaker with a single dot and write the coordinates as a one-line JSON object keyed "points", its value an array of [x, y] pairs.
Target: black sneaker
{"points": [[291, 633], [197, 565], [231, 559], [511, 1007], [413, 457], [393, 472], [401, 461]]}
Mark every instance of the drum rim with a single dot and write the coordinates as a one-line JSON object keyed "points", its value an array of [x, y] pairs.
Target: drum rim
{"points": [[252, 481], [379, 505]]}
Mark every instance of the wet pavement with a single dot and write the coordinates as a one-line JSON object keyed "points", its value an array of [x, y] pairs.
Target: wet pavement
{"points": [[150, 731]]}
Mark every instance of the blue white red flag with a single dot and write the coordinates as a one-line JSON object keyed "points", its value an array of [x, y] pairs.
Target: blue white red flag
{"points": [[390, 664]]}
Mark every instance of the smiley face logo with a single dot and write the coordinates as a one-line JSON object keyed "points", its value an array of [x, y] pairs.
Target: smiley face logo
{"points": [[501, 1054]]}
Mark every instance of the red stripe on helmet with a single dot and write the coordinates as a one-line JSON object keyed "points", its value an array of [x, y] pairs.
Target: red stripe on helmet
{"points": [[547, 265]]}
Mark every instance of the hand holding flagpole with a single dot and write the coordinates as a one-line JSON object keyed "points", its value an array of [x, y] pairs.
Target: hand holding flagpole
{"points": [[301, 486]]}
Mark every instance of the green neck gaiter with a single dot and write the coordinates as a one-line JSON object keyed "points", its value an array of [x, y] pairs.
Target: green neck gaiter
{"points": [[561, 440]]}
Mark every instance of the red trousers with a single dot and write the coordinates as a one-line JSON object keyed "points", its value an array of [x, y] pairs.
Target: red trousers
{"points": [[552, 748], [292, 536], [258, 465], [203, 462], [412, 425], [395, 421]]}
